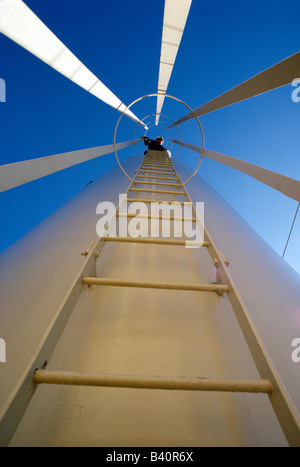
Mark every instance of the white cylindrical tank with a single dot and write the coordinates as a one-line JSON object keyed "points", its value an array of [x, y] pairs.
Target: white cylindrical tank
{"points": [[127, 331]]}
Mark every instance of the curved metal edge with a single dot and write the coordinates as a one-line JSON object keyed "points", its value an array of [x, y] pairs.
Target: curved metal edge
{"points": [[171, 97]]}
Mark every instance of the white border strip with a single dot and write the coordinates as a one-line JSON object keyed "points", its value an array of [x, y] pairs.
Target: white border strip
{"points": [[19, 173], [22, 26], [285, 185], [175, 17], [274, 77]]}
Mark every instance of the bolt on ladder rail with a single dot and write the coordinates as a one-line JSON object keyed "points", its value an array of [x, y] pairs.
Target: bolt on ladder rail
{"points": [[153, 167]]}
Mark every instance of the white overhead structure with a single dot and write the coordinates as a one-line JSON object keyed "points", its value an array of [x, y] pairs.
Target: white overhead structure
{"points": [[286, 185], [175, 16], [19, 173], [172, 355], [274, 77], [22, 26]]}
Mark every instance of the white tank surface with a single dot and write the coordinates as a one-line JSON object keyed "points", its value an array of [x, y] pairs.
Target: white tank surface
{"points": [[178, 335]]}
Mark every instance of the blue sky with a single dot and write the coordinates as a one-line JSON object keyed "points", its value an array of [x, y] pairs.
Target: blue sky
{"points": [[225, 42]]}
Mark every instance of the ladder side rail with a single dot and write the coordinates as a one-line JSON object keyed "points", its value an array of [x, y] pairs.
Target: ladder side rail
{"points": [[281, 401], [16, 404]]}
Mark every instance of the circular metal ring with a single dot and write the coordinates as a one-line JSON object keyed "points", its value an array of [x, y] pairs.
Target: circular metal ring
{"points": [[171, 97]]}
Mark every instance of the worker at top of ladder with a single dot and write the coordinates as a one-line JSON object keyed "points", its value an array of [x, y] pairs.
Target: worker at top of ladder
{"points": [[155, 145]]}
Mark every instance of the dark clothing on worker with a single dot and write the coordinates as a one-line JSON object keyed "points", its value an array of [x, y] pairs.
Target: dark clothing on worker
{"points": [[153, 145]]}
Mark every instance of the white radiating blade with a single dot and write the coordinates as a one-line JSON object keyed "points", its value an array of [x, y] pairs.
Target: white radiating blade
{"points": [[286, 185], [274, 77], [19, 173], [175, 16], [22, 26]]}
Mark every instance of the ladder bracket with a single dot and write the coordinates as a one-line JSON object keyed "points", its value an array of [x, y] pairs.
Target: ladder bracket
{"points": [[220, 264], [86, 252]]}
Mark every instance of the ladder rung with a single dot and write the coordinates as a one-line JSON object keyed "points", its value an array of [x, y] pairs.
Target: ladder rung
{"points": [[158, 178], [157, 163], [164, 169], [152, 382], [141, 182], [163, 157], [154, 172], [150, 171], [164, 166], [160, 160], [169, 192], [219, 288], [164, 172], [143, 200], [151, 158], [154, 241], [160, 217]]}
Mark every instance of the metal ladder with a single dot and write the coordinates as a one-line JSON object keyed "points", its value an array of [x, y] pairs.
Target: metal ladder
{"points": [[156, 170]]}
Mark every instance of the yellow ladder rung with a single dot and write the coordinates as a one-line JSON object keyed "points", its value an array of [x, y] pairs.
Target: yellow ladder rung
{"points": [[141, 182], [163, 160], [154, 167], [166, 166], [150, 158], [154, 172], [157, 165], [169, 192], [152, 382], [163, 172], [160, 217], [219, 288], [143, 200], [157, 178], [154, 241]]}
